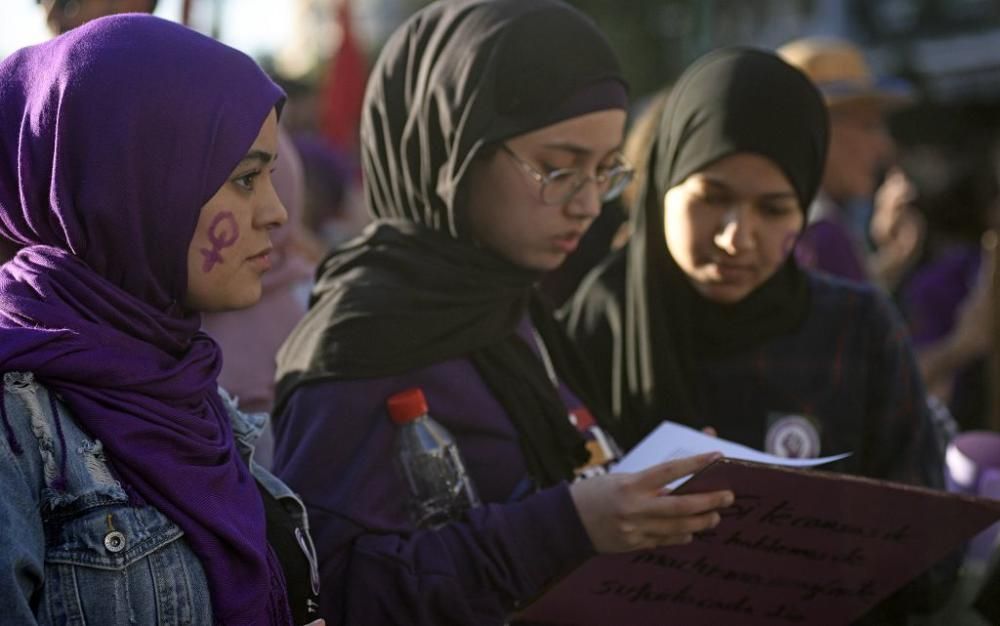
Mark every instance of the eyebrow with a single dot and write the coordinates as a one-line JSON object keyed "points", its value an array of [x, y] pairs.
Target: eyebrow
{"points": [[576, 149], [258, 155], [768, 195]]}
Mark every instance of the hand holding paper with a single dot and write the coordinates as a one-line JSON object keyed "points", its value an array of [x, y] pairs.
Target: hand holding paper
{"points": [[624, 512]]}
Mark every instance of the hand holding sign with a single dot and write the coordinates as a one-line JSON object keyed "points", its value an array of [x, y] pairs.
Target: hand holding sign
{"points": [[623, 512]]}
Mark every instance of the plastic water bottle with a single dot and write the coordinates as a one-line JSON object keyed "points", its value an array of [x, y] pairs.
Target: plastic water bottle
{"points": [[429, 463]]}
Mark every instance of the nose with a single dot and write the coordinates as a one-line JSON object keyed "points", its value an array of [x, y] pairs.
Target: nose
{"points": [[734, 234], [271, 213], [585, 203]]}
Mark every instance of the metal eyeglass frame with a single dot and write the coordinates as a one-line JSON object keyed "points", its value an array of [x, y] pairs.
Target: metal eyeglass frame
{"points": [[544, 180]]}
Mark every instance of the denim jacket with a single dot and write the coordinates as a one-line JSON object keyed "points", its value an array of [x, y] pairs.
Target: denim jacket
{"points": [[78, 552]]}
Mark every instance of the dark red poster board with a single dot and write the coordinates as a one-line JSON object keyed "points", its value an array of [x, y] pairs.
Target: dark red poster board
{"points": [[797, 547]]}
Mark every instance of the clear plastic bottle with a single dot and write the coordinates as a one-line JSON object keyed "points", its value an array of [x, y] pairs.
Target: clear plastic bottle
{"points": [[428, 462]]}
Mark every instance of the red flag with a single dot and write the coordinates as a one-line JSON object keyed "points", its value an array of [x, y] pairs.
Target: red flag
{"points": [[343, 87]]}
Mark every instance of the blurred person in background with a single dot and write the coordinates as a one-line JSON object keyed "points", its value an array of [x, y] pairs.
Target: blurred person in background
{"points": [[333, 208], [64, 15], [947, 299], [491, 134], [861, 149], [896, 230]]}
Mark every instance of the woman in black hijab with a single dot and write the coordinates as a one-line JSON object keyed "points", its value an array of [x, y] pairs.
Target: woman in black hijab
{"points": [[490, 136], [705, 318]]}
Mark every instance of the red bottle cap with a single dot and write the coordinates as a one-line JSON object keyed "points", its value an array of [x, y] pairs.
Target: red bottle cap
{"points": [[406, 406]]}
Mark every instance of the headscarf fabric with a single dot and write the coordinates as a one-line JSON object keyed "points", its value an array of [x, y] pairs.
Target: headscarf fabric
{"points": [[112, 138], [732, 100], [416, 289]]}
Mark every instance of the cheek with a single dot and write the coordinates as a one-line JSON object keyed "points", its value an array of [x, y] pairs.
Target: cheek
{"points": [[788, 244], [685, 233], [781, 242], [501, 217], [222, 233], [214, 256]]}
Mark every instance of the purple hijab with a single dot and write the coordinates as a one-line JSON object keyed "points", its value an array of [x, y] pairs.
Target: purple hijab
{"points": [[112, 138]]}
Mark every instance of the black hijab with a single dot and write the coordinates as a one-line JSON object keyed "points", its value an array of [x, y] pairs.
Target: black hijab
{"points": [[731, 100], [415, 290]]}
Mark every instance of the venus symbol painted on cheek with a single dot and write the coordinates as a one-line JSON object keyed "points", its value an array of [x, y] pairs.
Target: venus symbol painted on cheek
{"points": [[222, 233]]}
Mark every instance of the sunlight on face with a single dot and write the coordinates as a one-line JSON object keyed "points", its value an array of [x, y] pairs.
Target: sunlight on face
{"points": [[231, 245], [730, 226], [505, 211]]}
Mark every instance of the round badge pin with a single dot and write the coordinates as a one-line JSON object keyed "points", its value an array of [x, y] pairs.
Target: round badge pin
{"points": [[792, 437]]}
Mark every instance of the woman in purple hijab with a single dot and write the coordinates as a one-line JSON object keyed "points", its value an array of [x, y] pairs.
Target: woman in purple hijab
{"points": [[135, 160]]}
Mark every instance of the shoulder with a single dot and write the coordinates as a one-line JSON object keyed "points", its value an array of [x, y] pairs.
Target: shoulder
{"points": [[22, 414], [29, 417], [51, 452], [246, 427], [341, 402], [847, 303], [837, 293]]}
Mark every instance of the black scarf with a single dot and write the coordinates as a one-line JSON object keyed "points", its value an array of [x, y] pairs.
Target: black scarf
{"points": [[414, 290], [731, 100]]}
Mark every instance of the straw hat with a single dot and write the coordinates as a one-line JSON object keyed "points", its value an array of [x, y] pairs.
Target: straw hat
{"points": [[842, 75]]}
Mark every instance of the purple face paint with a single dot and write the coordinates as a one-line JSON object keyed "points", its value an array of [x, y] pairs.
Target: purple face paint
{"points": [[222, 233]]}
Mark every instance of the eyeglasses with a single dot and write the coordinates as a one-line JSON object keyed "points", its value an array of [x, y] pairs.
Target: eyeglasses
{"points": [[559, 186]]}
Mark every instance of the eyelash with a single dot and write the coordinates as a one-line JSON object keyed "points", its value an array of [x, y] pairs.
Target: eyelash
{"points": [[769, 210], [246, 181], [774, 210], [603, 168]]}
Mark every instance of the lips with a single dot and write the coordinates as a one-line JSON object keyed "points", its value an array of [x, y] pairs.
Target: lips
{"points": [[262, 260], [568, 242], [735, 271]]}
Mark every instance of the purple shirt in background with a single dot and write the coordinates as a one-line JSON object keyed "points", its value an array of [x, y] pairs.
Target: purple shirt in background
{"points": [[335, 446], [827, 244], [931, 300], [932, 296]]}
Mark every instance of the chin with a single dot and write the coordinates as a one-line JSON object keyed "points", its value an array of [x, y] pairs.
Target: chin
{"points": [[246, 301], [234, 302], [724, 294], [539, 264]]}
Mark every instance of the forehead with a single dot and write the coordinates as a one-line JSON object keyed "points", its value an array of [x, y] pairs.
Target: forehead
{"points": [[598, 132], [745, 173], [867, 113]]}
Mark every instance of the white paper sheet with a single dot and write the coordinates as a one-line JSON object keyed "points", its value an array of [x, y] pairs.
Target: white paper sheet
{"points": [[673, 441]]}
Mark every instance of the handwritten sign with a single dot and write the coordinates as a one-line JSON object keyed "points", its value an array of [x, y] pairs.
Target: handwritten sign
{"points": [[797, 547]]}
